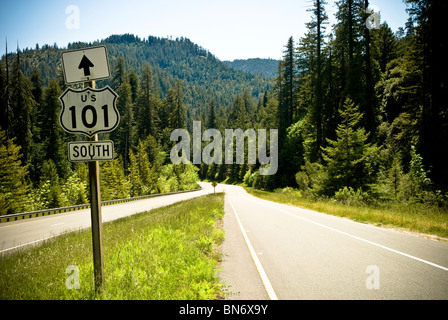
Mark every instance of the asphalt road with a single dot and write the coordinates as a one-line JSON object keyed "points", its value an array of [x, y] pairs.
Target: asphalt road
{"points": [[276, 251], [20, 233], [293, 253]]}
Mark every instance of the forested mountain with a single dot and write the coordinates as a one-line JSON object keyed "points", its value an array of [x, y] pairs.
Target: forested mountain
{"points": [[162, 85], [265, 67], [361, 114], [203, 75]]}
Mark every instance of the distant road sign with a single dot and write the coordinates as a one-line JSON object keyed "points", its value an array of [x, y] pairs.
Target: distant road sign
{"points": [[90, 151], [85, 64], [89, 111]]}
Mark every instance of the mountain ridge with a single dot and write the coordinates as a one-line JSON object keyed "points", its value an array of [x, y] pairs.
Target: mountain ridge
{"points": [[267, 67], [204, 76]]}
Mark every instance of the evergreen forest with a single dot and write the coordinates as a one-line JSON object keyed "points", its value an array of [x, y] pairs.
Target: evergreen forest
{"points": [[361, 113]]}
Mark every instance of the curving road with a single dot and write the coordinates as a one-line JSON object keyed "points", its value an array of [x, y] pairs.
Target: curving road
{"points": [[276, 251], [20, 233]]}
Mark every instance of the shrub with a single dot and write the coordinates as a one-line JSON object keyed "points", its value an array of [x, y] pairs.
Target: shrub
{"points": [[349, 196]]}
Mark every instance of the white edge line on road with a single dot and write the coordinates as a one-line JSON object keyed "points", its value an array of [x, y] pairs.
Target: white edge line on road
{"points": [[25, 244], [57, 224], [358, 238], [264, 278]]}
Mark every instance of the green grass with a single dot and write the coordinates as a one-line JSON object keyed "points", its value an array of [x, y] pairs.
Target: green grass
{"points": [[167, 253], [413, 217]]}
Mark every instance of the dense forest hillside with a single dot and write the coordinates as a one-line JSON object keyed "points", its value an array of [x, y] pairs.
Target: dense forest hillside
{"points": [[203, 75], [162, 85], [361, 114], [265, 67]]}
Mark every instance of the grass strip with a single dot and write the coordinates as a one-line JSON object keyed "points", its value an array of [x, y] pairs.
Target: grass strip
{"points": [[168, 253]]}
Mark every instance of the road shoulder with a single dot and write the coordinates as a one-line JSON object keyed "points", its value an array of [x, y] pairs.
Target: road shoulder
{"points": [[239, 272]]}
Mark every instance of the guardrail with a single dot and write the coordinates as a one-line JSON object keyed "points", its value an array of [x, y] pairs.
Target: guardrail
{"points": [[44, 212]]}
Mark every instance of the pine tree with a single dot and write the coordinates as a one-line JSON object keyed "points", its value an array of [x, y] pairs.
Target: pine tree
{"points": [[14, 190], [51, 132], [140, 171], [37, 118], [349, 30], [4, 98], [50, 188], [286, 88], [119, 73], [136, 184], [148, 104], [133, 81], [175, 103], [312, 96], [114, 184], [350, 160], [387, 46], [238, 118], [368, 102], [429, 17], [22, 105], [124, 135], [211, 121]]}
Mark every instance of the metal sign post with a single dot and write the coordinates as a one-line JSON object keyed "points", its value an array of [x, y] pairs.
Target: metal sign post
{"points": [[95, 207], [90, 111]]}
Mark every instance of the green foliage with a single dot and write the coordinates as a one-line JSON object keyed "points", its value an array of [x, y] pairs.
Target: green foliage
{"points": [[140, 172], [396, 81], [50, 193], [349, 196], [114, 184], [350, 160], [13, 187], [174, 103], [311, 179], [51, 132], [22, 105], [76, 190], [188, 176], [148, 104], [167, 253], [265, 67]]}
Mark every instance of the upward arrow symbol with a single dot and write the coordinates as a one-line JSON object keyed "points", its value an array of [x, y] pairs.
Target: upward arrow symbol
{"points": [[85, 64]]}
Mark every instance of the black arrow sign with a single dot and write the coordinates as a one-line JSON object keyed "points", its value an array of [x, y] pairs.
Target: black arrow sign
{"points": [[85, 64]]}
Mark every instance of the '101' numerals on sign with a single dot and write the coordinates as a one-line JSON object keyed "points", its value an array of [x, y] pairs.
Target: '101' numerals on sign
{"points": [[89, 123]]}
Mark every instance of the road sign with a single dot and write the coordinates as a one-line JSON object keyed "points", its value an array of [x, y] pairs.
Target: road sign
{"points": [[89, 111], [90, 151], [85, 64]]}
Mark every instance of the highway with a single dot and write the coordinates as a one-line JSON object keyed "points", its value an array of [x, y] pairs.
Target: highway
{"points": [[20, 233], [276, 251], [285, 252]]}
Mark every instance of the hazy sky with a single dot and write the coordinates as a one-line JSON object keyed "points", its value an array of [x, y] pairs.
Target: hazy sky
{"points": [[230, 29]]}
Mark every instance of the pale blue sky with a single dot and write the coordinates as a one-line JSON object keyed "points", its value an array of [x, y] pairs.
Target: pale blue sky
{"points": [[230, 29]]}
